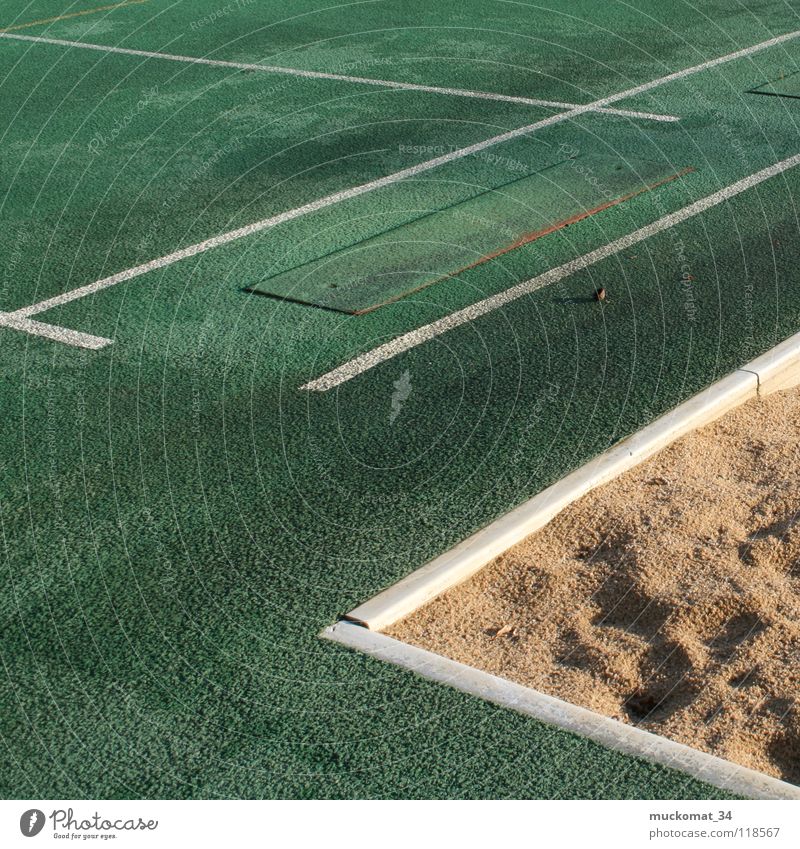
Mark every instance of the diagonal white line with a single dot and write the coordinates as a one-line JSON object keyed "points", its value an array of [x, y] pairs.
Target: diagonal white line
{"points": [[65, 17], [53, 332], [283, 217], [322, 75], [346, 194], [410, 340]]}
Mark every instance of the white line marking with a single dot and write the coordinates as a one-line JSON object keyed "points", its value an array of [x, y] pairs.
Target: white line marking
{"points": [[283, 217], [410, 340], [321, 75], [347, 194], [608, 732]]}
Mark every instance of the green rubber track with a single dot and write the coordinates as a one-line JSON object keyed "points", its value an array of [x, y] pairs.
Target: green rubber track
{"points": [[180, 520]]}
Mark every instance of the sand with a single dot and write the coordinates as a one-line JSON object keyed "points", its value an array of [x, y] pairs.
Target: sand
{"points": [[668, 599]]}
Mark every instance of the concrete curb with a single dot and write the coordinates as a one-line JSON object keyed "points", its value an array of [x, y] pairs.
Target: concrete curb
{"points": [[609, 732], [778, 369]]}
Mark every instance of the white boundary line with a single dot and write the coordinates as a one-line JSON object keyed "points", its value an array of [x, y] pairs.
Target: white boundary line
{"points": [[364, 362], [322, 75], [777, 369], [73, 338], [604, 730]]}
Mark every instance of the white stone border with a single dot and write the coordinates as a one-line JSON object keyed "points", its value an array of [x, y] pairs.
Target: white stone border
{"points": [[608, 732], [778, 369]]}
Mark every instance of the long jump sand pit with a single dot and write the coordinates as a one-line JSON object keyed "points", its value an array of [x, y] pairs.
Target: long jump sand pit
{"points": [[668, 599]]}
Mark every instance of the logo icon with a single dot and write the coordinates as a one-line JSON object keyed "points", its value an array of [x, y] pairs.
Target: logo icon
{"points": [[31, 822]]}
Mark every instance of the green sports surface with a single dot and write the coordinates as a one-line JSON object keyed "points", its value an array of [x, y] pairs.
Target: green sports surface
{"points": [[180, 518]]}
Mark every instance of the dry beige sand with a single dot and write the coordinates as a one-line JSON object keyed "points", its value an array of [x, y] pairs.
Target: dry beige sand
{"points": [[670, 598]]}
